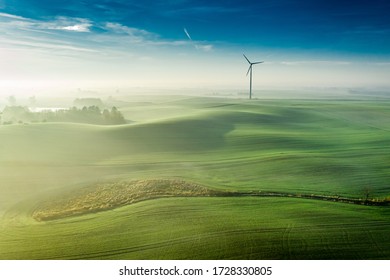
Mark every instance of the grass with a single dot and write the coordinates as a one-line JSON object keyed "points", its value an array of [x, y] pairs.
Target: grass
{"points": [[323, 147], [209, 228], [105, 196]]}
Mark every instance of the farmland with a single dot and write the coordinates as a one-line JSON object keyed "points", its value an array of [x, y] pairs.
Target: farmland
{"points": [[206, 149]]}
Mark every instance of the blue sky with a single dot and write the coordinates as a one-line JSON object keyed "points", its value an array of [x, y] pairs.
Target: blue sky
{"points": [[144, 43]]}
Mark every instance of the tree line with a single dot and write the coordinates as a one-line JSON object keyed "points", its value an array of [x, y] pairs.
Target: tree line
{"points": [[90, 114]]}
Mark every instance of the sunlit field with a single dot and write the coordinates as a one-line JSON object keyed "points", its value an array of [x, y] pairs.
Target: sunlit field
{"points": [[201, 178]]}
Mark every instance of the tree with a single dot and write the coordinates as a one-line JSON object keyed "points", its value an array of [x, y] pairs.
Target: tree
{"points": [[91, 114], [12, 100], [106, 116], [366, 193], [32, 101], [15, 114], [116, 116]]}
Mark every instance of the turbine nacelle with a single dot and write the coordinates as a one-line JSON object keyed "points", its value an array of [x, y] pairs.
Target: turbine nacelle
{"points": [[251, 63]]}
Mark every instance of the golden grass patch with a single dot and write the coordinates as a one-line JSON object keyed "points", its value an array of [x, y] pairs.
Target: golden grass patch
{"points": [[105, 196]]}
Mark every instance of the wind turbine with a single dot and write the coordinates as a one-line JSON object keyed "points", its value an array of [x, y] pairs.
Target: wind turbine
{"points": [[250, 70]]}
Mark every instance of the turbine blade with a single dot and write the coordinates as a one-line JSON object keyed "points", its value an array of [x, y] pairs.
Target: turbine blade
{"points": [[249, 69], [246, 59], [257, 62]]}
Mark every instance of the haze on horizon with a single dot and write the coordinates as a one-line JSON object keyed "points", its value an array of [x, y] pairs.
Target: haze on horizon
{"points": [[193, 44]]}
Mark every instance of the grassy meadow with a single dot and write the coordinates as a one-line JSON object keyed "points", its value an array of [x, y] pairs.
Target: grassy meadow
{"points": [[321, 147]]}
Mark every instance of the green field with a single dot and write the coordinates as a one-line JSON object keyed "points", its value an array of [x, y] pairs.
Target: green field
{"points": [[298, 147]]}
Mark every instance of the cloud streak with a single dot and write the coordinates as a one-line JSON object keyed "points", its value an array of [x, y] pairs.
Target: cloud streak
{"points": [[10, 21], [188, 34], [115, 37], [197, 45], [46, 45], [316, 62], [9, 16], [84, 27], [106, 36], [134, 34]]}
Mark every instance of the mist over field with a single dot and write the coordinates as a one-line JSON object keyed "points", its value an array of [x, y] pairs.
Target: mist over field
{"points": [[247, 179], [189, 130]]}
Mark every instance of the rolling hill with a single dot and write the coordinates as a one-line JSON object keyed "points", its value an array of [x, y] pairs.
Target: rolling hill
{"points": [[301, 147]]}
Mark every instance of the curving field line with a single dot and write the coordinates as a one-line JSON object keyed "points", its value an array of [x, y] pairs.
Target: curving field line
{"points": [[106, 196]]}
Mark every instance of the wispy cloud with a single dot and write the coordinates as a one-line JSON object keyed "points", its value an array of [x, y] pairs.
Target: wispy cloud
{"points": [[53, 37], [9, 16], [205, 48], [316, 62], [77, 27], [135, 34], [58, 23], [61, 33], [45, 45], [66, 24], [196, 10], [331, 63]]}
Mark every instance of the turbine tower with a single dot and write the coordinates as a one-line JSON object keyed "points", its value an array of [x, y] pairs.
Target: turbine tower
{"points": [[250, 70]]}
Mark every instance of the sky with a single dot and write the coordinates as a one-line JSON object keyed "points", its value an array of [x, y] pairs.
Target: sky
{"points": [[194, 44]]}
